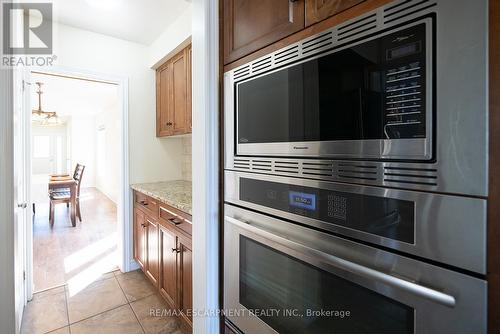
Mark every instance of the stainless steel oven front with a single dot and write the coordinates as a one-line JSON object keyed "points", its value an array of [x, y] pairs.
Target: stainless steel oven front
{"points": [[281, 277], [396, 97]]}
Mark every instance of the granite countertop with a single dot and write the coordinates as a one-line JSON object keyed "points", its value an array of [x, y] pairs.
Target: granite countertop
{"points": [[174, 193]]}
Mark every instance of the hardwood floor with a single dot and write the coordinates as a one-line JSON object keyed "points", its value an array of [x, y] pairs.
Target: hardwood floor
{"points": [[77, 255]]}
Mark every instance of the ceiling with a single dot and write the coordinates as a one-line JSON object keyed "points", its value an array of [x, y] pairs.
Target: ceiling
{"points": [[71, 97], [140, 21]]}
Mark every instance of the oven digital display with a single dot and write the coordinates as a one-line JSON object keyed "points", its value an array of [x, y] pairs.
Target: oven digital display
{"points": [[302, 200]]}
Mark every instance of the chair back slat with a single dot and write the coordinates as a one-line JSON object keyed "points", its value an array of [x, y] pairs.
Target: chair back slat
{"points": [[77, 176]]}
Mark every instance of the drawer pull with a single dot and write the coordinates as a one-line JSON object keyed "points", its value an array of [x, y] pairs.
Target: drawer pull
{"points": [[175, 221], [176, 250], [144, 203], [143, 225]]}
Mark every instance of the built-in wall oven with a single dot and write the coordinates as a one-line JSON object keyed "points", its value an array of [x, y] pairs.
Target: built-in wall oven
{"points": [[356, 177]]}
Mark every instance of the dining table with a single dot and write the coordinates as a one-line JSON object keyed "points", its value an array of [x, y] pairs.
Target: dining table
{"points": [[65, 181]]}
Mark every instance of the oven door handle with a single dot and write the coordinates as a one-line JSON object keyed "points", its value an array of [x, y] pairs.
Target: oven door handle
{"points": [[355, 268]]}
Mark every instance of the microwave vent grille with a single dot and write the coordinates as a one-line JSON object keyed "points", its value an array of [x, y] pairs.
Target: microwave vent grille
{"points": [[242, 164], [317, 168], [262, 165], [318, 42], [405, 175], [360, 171], [357, 27], [261, 64], [242, 72], [287, 55], [286, 167], [406, 8]]}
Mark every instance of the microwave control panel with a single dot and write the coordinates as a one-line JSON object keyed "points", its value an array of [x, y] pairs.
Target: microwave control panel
{"points": [[404, 78]]}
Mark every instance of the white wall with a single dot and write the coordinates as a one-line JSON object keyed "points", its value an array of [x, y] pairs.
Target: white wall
{"points": [[83, 147], [108, 125], [150, 159], [174, 35]]}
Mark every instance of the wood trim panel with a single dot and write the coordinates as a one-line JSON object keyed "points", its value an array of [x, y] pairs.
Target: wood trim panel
{"points": [[348, 14], [493, 275]]}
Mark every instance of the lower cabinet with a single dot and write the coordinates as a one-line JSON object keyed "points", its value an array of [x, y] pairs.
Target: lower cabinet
{"points": [[162, 247], [140, 238], [168, 265], [152, 267]]}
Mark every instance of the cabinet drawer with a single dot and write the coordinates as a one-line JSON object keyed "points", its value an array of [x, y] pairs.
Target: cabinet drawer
{"points": [[146, 202], [176, 218]]}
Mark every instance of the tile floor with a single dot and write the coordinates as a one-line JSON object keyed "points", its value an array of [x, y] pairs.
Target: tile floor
{"points": [[74, 255], [115, 303]]}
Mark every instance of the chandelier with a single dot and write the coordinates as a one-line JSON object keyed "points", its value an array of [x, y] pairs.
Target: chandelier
{"points": [[43, 117]]}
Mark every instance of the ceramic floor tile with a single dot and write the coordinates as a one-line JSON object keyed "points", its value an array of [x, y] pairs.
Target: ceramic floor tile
{"points": [[145, 309], [98, 297], [120, 320], [64, 330], [135, 285], [46, 312]]}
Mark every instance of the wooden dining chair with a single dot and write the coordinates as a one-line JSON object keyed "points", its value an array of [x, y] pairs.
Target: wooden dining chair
{"points": [[63, 195]]}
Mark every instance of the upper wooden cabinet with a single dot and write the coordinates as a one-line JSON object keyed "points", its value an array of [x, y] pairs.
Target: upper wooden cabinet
{"points": [[252, 24], [317, 10], [173, 95]]}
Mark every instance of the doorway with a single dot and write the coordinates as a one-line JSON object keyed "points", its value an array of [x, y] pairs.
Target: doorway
{"points": [[89, 129]]}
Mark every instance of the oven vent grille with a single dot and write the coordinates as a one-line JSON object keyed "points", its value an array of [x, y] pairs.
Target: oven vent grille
{"points": [[419, 176], [261, 64], [353, 171], [318, 42], [241, 72], [406, 8], [287, 55], [357, 27]]}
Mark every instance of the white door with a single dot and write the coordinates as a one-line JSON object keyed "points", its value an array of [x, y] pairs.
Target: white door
{"points": [[49, 150], [21, 190]]}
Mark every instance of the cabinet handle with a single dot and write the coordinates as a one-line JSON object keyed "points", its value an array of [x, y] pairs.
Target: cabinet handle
{"points": [[294, 0], [175, 221], [144, 203], [169, 123], [143, 225], [176, 250]]}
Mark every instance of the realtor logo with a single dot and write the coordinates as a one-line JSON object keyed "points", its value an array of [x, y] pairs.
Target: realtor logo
{"points": [[34, 20]]}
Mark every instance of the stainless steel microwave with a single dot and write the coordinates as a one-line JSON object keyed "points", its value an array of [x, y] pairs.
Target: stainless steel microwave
{"points": [[402, 88]]}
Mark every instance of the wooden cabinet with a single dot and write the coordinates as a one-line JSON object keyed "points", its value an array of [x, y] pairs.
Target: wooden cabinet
{"points": [[168, 265], [318, 10], [185, 277], [255, 28], [162, 247], [140, 238], [152, 266], [173, 95], [252, 24]]}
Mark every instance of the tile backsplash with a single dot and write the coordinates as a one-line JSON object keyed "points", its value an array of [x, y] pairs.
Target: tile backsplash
{"points": [[186, 158]]}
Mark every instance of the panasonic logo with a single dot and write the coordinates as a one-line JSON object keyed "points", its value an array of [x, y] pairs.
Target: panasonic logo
{"points": [[300, 147]]}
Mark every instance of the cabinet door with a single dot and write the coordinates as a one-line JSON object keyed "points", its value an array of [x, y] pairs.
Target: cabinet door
{"points": [[164, 122], [186, 279], [152, 266], [140, 238], [180, 90], [168, 266], [250, 25], [317, 10]]}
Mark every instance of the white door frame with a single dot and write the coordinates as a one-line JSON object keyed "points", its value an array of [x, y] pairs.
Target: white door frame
{"points": [[206, 216], [124, 212]]}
